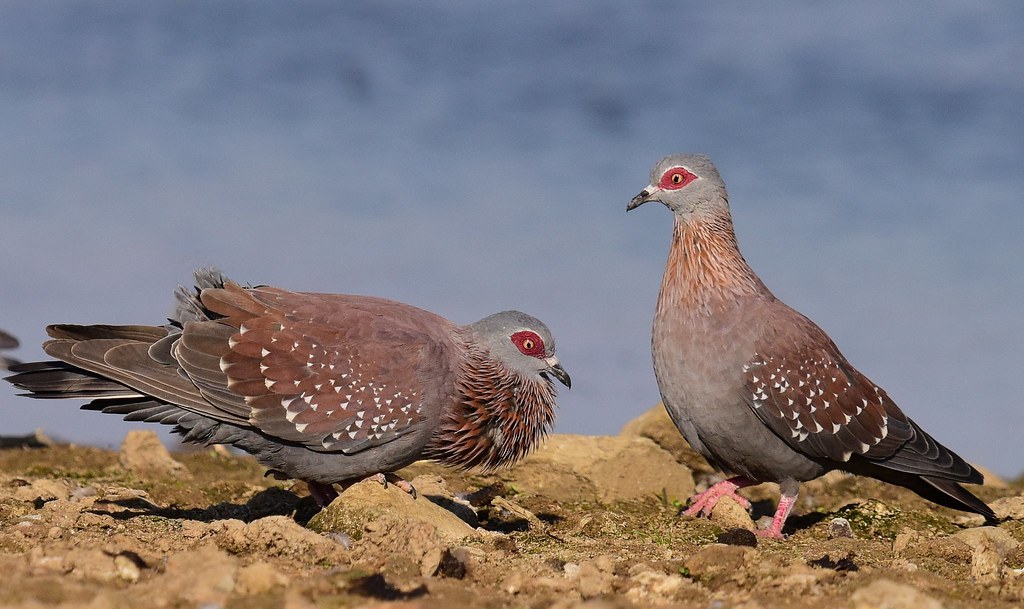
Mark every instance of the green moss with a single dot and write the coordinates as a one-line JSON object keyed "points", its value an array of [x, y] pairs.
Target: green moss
{"points": [[876, 519]]}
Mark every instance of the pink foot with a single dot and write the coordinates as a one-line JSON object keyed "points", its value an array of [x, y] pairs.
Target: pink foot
{"points": [[397, 480], [704, 503]]}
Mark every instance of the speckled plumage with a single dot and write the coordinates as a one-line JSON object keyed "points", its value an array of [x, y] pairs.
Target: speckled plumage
{"points": [[327, 388], [756, 387]]}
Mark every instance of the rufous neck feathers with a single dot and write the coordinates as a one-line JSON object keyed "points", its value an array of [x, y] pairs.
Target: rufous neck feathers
{"points": [[705, 269]]}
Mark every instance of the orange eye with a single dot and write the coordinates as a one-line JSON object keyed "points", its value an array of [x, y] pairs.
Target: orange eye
{"points": [[528, 343], [676, 178]]}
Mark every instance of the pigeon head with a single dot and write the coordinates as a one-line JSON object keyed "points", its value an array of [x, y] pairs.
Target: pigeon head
{"points": [[687, 184], [521, 342]]}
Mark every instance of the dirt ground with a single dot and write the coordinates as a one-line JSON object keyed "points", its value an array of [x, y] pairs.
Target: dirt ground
{"points": [[584, 522]]}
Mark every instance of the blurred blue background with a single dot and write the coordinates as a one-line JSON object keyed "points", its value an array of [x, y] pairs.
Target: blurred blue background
{"points": [[473, 157]]}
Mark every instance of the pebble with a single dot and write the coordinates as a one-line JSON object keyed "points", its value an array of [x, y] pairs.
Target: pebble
{"points": [[839, 527]]}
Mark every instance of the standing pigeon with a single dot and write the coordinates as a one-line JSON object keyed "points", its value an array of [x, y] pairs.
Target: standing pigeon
{"points": [[7, 342], [759, 389], [326, 388]]}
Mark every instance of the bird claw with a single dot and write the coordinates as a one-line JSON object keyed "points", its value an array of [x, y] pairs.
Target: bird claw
{"points": [[702, 504], [769, 533], [402, 483], [275, 474]]}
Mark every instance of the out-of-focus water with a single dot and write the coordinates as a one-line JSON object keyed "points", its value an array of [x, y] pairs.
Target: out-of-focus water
{"points": [[479, 157]]}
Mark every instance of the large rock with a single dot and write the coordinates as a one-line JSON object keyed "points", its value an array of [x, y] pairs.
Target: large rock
{"points": [[365, 502], [991, 478], [656, 425], [601, 468], [1009, 507], [989, 548], [277, 536], [205, 576], [143, 454], [887, 594]]}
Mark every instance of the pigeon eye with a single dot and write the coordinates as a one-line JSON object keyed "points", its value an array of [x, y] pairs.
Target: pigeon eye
{"points": [[676, 178], [528, 343]]}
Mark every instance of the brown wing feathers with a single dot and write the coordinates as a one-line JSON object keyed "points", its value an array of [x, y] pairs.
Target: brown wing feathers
{"points": [[819, 404], [305, 368], [298, 362]]}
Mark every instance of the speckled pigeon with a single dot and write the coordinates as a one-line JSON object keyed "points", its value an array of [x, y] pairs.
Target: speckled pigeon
{"points": [[757, 388], [326, 388]]}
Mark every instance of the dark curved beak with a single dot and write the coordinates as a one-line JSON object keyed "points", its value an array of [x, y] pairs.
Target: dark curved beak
{"points": [[640, 199], [556, 370]]}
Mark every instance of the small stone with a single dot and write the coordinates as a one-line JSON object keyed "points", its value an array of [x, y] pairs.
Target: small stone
{"points": [[127, 568], [839, 527], [729, 514], [738, 537]]}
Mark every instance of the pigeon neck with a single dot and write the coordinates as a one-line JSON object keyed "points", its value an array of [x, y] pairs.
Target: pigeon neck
{"points": [[705, 269], [498, 418]]}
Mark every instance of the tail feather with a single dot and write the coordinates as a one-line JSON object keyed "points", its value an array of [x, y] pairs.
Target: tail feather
{"points": [[937, 489], [55, 379], [146, 334], [133, 370], [959, 498], [923, 455]]}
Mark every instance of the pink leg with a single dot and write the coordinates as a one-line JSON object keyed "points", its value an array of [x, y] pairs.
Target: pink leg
{"points": [[704, 503], [789, 490]]}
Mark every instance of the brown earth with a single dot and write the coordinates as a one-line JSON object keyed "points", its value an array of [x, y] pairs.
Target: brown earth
{"points": [[586, 521]]}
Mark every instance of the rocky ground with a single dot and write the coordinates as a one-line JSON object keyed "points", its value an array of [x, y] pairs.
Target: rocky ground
{"points": [[584, 522]]}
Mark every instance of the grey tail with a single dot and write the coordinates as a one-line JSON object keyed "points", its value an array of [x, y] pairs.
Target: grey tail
{"points": [[951, 494], [934, 488], [56, 380]]}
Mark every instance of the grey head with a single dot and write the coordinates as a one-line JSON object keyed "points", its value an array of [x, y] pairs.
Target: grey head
{"points": [[522, 342], [687, 184]]}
